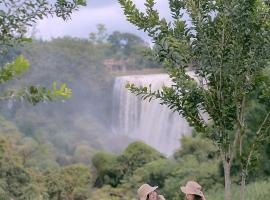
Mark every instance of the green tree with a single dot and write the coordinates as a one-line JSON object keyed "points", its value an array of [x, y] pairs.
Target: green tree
{"points": [[136, 155], [54, 184], [109, 170], [100, 36], [200, 148], [189, 168], [77, 180], [125, 42], [15, 181], [154, 173], [33, 94], [226, 44], [36, 155]]}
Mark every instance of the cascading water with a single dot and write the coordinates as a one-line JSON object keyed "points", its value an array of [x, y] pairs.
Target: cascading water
{"points": [[150, 122]]}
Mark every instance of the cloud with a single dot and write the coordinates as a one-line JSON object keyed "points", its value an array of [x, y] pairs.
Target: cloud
{"points": [[84, 21], [100, 3]]}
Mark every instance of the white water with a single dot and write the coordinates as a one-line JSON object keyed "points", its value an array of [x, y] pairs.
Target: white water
{"points": [[150, 122]]}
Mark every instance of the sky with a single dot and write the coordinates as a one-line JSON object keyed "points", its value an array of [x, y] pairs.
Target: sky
{"points": [[84, 21]]}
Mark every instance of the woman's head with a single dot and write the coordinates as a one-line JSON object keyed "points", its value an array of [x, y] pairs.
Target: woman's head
{"points": [[147, 192], [192, 191]]}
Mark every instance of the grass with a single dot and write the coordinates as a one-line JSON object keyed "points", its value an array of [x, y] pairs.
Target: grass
{"points": [[255, 191]]}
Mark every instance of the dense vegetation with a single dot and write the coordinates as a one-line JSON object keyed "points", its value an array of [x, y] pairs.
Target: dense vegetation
{"points": [[29, 170], [64, 150]]}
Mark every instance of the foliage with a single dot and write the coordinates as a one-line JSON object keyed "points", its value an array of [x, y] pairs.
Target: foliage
{"points": [[15, 19], [226, 44], [109, 193], [196, 160], [112, 169], [100, 37], [76, 177], [206, 173], [83, 153], [23, 176], [200, 148], [136, 155], [17, 16], [36, 155], [33, 94], [153, 173], [15, 180], [124, 42], [109, 171]]}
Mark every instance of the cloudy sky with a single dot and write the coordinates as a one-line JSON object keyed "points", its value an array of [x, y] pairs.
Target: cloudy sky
{"points": [[84, 21]]}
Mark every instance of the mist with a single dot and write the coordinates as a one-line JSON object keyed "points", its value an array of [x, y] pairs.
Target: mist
{"points": [[83, 122]]}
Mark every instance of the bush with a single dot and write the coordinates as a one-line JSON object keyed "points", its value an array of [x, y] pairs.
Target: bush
{"points": [[136, 155]]}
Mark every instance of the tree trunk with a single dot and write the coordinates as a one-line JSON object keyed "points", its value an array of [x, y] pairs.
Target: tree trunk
{"points": [[227, 178], [243, 186]]}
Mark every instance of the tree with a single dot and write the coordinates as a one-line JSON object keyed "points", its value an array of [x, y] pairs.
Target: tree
{"points": [[77, 179], [54, 184], [197, 160], [136, 155], [200, 148], [109, 171], [226, 44], [125, 42], [99, 37], [16, 17], [154, 173], [15, 179]]}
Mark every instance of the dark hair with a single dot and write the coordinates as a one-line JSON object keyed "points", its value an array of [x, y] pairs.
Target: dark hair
{"points": [[197, 197]]}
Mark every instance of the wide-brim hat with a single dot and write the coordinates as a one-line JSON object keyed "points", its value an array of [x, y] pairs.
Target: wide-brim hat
{"points": [[193, 187], [144, 190]]}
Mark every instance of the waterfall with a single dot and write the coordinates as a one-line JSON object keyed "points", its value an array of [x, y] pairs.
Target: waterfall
{"points": [[151, 122]]}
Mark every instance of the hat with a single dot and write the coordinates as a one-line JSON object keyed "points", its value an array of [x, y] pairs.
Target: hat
{"points": [[193, 187], [144, 190]]}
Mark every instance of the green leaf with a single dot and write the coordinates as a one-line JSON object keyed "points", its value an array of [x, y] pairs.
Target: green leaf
{"points": [[13, 69]]}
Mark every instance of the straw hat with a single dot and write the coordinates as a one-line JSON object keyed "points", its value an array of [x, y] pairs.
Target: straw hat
{"points": [[144, 190], [193, 187]]}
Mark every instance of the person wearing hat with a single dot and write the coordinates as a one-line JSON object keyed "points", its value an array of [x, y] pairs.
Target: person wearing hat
{"points": [[193, 191], [147, 192]]}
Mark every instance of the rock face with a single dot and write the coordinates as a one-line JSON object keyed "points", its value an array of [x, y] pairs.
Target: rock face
{"points": [[150, 122]]}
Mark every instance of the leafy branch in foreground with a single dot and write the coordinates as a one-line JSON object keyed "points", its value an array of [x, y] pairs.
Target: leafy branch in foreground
{"points": [[33, 94], [177, 99], [16, 16]]}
